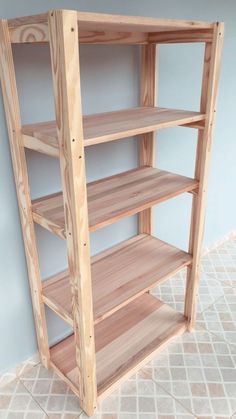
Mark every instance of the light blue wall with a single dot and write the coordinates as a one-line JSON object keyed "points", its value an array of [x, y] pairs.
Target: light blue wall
{"points": [[113, 70]]}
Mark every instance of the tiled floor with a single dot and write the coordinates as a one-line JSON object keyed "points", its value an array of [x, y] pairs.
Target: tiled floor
{"points": [[194, 377]]}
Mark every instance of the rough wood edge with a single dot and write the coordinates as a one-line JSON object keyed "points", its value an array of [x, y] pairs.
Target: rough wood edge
{"points": [[147, 141], [63, 29], [12, 111], [211, 72]]}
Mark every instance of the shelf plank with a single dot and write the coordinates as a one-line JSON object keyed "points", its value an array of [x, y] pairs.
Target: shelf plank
{"points": [[115, 197], [119, 275], [109, 126], [97, 27], [124, 341]]}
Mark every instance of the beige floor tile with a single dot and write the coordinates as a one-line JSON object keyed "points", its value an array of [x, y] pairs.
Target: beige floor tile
{"points": [[198, 369], [221, 263], [172, 291], [140, 398], [52, 394], [220, 317], [16, 403]]}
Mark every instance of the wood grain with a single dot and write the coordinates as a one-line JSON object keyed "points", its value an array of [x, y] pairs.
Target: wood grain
{"points": [[104, 28], [115, 197], [181, 36], [124, 341], [109, 126], [12, 111], [136, 266], [210, 82], [147, 141], [66, 80]]}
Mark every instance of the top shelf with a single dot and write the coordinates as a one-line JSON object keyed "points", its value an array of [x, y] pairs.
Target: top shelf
{"points": [[109, 126], [100, 28]]}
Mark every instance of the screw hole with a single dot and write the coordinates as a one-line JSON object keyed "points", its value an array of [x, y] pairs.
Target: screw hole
{"points": [[80, 157], [85, 244], [73, 140], [72, 29]]}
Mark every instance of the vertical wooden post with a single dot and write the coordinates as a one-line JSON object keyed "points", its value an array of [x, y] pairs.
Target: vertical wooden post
{"points": [[63, 28], [210, 81], [147, 142], [12, 111]]}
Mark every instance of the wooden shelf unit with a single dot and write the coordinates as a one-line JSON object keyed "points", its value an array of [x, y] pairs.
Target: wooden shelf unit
{"points": [[117, 325]]}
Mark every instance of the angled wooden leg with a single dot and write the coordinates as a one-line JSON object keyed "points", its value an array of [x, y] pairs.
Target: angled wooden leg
{"points": [[210, 81], [147, 142], [12, 110], [63, 27]]}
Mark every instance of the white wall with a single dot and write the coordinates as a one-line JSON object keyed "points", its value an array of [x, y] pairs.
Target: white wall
{"points": [[113, 70]]}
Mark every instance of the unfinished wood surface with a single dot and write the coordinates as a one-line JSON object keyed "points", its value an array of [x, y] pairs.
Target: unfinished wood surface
{"points": [[66, 80], [130, 269], [115, 197], [181, 36], [103, 28], [109, 126], [210, 82], [124, 341], [12, 111], [147, 141]]}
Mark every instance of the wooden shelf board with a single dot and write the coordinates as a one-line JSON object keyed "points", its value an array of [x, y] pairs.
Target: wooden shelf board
{"points": [[124, 341], [119, 275], [109, 126], [35, 28], [115, 197]]}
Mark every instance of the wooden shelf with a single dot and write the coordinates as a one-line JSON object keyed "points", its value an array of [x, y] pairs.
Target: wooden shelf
{"points": [[97, 28], [108, 292], [124, 341], [109, 126], [115, 197], [119, 275]]}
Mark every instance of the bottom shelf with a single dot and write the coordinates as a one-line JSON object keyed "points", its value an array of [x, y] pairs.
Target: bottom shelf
{"points": [[124, 341]]}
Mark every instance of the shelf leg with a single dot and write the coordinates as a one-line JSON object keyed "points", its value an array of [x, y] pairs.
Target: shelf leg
{"points": [[64, 46], [147, 141], [12, 110], [211, 73]]}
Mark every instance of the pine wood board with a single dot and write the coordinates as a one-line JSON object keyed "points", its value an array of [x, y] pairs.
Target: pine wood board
{"points": [[109, 126], [124, 340], [64, 51], [130, 269], [102, 27], [13, 120], [147, 142], [115, 197]]}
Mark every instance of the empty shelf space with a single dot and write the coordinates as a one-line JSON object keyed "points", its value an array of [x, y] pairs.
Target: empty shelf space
{"points": [[109, 126], [115, 197], [119, 275], [124, 341]]}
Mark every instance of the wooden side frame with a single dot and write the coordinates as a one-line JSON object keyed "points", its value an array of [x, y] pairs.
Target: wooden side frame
{"points": [[64, 46], [13, 119], [211, 72], [147, 141]]}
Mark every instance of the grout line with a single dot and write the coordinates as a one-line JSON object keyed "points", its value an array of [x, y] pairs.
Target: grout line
{"points": [[218, 336], [35, 400], [173, 397], [227, 237]]}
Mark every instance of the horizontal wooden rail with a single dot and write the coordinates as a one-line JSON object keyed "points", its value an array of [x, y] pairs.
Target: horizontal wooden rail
{"points": [[181, 36]]}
